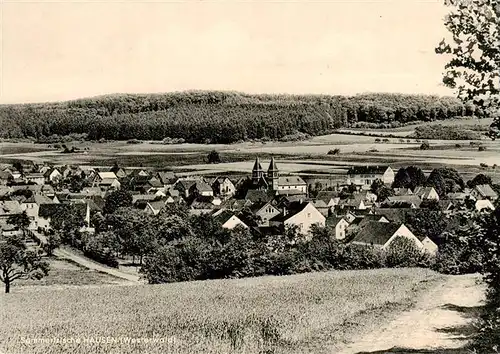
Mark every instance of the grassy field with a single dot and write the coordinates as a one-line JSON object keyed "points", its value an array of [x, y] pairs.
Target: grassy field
{"points": [[65, 273], [313, 313]]}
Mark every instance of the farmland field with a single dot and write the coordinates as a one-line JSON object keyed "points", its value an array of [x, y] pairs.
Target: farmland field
{"points": [[313, 313]]}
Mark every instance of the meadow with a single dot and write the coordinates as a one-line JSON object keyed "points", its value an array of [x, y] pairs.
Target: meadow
{"points": [[307, 313]]}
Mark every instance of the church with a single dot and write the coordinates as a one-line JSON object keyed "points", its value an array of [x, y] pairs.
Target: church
{"points": [[274, 182]]}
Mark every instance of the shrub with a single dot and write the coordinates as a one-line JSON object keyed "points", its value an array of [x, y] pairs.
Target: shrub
{"points": [[134, 141], [483, 165], [458, 146], [335, 151], [444, 132], [481, 148], [425, 146], [377, 140], [403, 252]]}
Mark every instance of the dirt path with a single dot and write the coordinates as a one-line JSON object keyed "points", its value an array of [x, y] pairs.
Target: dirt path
{"points": [[442, 319], [87, 263]]}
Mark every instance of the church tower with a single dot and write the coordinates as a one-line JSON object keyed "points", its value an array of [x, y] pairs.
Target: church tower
{"points": [[257, 172], [273, 175]]}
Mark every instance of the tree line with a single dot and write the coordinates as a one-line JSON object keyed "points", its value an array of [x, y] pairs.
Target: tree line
{"points": [[219, 117]]}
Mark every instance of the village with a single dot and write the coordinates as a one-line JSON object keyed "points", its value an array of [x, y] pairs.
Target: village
{"points": [[365, 209]]}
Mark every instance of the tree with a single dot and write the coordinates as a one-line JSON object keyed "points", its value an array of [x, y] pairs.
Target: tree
{"points": [[54, 240], [214, 157], [417, 177], [437, 181], [425, 146], [381, 190], [401, 179], [474, 67], [22, 221], [480, 179], [19, 262], [117, 199], [403, 252], [67, 220]]}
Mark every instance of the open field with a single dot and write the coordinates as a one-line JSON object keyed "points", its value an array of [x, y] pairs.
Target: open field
{"points": [[466, 123], [313, 313], [66, 273], [354, 149]]}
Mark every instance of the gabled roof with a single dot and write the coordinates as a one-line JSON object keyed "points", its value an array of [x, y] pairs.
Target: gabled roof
{"points": [[413, 199], [364, 170], [157, 205], [10, 207], [201, 186], [486, 191], [166, 177], [224, 215], [292, 209], [256, 195], [48, 210], [107, 175], [291, 181], [394, 214], [423, 192], [108, 181], [38, 199], [377, 233]]}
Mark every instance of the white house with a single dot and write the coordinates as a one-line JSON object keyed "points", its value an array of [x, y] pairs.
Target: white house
{"points": [[484, 204], [300, 214], [364, 176], [382, 234], [228, 220], [426, 193], [340, 225], [265, 212], [224, 187], [31, 207]]}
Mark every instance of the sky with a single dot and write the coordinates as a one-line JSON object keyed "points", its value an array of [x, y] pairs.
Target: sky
{"points": [[55, 50]]}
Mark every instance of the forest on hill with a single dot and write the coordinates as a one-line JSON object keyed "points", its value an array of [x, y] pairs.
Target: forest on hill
{"points": [[220, 117]]}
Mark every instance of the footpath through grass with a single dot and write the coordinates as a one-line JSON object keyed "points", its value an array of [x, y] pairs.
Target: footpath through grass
{"points": [[299, 314]]}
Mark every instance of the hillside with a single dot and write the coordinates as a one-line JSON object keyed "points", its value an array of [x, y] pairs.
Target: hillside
{"points": [[221, 117], [306, 313]]}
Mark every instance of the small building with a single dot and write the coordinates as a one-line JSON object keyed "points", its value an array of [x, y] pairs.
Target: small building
{"points": [[484, 191], [265, 211], [383, 234], [300, 214], [340, 224], [224, 187], [36, 178], [228, 220], [426, 193], [364, 176]]}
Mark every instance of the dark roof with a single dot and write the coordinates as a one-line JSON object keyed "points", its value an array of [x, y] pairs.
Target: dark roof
{"points": [[257, 166], [48, 210], [377, 233], [256, 195], [327, 195], [393, 214], [364, 170], [223, 216], [292, 209], [272, 165]]}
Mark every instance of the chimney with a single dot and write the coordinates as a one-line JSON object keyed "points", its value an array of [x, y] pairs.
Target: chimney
{"points": [[284, 211]]}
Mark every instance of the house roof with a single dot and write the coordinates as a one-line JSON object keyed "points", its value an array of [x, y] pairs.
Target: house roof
{"points": [[394, 214], [108, 181], [334, 220], [107, 175], [142, 197], [38, 199], [423, 192], [364, 170], [486, 191], [291, 181], [402, 191], [376, 232], [201, 186], [257, 195], [10, 207], [291, 210], [166, 177], [157, 204], [223, 216], [412, 199], [48, 210]]}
